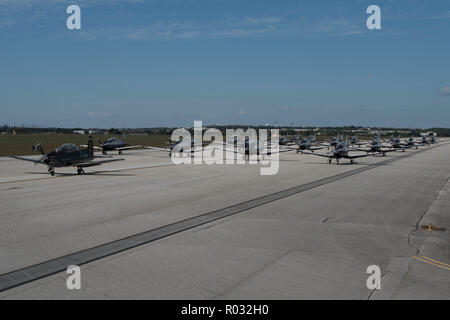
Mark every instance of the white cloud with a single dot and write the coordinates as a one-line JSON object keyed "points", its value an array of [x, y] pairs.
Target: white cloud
{"points": [[225, 27]]}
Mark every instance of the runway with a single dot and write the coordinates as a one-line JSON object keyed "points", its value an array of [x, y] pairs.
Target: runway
{"points": [[314, 243]]}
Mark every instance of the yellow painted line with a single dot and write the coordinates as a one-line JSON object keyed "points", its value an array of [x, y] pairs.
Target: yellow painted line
{"points": [[432, 263], [440, 262]]}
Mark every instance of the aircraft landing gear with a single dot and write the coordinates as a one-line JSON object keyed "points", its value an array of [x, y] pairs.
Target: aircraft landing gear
{"points": [[51, 171], [104, 152], [80, 171], [329, 161], [352, 161], [120, 151]]}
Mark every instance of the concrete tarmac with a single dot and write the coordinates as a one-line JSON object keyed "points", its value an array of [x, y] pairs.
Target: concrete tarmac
{"points": [[315, 244]]}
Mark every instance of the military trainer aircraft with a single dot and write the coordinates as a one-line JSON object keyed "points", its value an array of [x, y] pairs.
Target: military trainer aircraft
{"points": [[397, 144], [182, 145], [307, 144], [114, 143], [433, 139], [340, 151], [425, 141], [412, 143], [68, 155], [376, 146], [252, 147], [334, 141]]}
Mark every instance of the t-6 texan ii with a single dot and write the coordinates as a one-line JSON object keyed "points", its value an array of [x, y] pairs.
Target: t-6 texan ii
{"points": [[68, 155], [114, 144], [341, 151]]}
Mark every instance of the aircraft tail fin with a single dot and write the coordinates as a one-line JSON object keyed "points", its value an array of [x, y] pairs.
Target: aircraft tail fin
{"points": [[91, 145], [38, 147]]}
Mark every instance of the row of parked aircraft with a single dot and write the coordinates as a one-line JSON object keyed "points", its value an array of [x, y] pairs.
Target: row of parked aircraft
{"points": [[71, 155], [341, 148]]}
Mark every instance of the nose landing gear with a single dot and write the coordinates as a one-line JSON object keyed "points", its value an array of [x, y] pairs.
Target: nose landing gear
{"points": [[51, 170]]}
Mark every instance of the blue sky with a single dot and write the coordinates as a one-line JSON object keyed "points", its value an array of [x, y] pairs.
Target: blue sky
{"points": [[138, 63]]}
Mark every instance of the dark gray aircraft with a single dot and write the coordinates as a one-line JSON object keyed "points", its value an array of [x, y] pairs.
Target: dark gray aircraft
{"points": [[307, 144], [397, 144], [284, 140], [354, 141], [376, 146], [67, 155], [340, 151], [425, 141], [335, 140], [182, 145], [113, 144], [412, 143], [433, 139], [251, 147]]}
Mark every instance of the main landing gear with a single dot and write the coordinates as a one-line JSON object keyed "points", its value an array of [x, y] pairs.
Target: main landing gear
{"points": [[120, 151], [331, 159], [80, 170], [51, 170]]}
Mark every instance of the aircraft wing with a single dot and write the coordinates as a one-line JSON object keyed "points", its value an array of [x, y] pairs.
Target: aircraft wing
{"points": [[26, 159], [156, 148], [316, 148], [264, 153], [85, 146], [354, 156], [108, 157], [387, 150], [326, 155], [128, 147], [168, 150], [96, 163]]}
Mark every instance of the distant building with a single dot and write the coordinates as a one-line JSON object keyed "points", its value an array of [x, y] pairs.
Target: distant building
{"points": [[96, 132], [428, 133]]}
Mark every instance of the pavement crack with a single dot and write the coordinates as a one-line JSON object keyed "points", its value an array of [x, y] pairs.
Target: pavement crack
{"points": [[411, 234], [373, 290]]}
